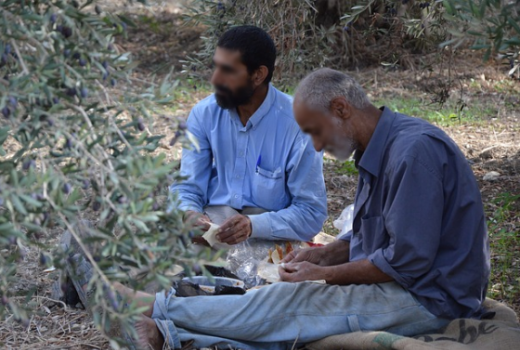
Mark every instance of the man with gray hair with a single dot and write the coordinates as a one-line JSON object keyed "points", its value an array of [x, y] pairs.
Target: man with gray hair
{"points": [[417, 255]]}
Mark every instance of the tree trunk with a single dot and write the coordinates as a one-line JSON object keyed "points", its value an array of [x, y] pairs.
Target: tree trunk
{"points": [[328, 13]]}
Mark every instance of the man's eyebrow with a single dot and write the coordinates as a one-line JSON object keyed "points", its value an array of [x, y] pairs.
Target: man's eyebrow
{"points": [[224, 67]]}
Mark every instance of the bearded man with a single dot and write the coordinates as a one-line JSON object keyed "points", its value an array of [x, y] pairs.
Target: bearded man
{"points": [[255, 173]]}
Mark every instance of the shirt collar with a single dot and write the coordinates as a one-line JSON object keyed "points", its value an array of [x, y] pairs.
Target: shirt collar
{"points": [[262, 111], [371, 158]]}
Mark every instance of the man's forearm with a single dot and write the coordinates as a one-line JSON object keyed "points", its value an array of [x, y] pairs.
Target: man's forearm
{"points": [[296, 222], [357, 272], [335, 253], [188, 197]]}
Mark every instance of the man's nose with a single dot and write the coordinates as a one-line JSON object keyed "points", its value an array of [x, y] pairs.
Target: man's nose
{"points": [[214, 77]]}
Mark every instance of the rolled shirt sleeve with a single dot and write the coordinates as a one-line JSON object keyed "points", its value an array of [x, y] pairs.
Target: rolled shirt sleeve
{"points": [[196, 168], [347, 237], [412, 218], [305, 216]]}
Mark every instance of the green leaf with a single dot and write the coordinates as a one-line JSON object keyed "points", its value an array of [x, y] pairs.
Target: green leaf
{"points": [[4, 133], [140, 225], [74, 197], [480, 46], [148, 217], [6, 166], [513, 41], [448, 5], [18, 204], [32, 227], [7, 228], [474, 33], [30, 200], [447, 43]]}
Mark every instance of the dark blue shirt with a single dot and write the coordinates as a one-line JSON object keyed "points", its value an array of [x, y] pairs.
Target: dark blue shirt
{"points": [[419, 217]]}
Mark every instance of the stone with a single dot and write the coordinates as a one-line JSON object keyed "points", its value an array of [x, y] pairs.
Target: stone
{"points": [[492, 176]]}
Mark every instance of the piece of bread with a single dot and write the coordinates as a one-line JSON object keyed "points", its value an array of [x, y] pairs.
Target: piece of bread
{"points": [[211, 237]]}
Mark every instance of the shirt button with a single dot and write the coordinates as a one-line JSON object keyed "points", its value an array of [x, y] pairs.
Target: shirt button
{"points": [[236, 195], [238, 176]]}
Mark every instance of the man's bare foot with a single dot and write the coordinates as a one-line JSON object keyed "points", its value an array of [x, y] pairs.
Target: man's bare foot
{"points": [[149, 336]]}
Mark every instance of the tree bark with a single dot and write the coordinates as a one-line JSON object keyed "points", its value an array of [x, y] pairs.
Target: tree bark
{"points": [[328, 13]]}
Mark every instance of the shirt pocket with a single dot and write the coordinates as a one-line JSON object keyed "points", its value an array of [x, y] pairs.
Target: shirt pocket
{"points": [[269, 189], [373, 234]]}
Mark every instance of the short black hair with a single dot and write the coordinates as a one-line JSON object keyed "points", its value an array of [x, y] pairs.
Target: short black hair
{"points": [[255, 45]]}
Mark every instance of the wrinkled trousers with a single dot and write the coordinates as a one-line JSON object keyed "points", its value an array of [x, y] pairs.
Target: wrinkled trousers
{"points": [[288, 315]]}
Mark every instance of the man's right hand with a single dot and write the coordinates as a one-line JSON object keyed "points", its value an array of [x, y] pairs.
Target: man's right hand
{"points": [[331, 254], [312, 255], [199, 220]]}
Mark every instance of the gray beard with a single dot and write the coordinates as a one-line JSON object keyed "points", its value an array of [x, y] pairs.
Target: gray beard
{"points": [[343, 152]]}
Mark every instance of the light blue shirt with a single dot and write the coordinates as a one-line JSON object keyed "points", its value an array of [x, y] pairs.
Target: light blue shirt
{"points": [[269, 164]]}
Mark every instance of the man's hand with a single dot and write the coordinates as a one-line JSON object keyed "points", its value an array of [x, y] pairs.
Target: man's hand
{"points": [[335, 253], [235, 230], [201, 221], [302, 271], [312, 255]]}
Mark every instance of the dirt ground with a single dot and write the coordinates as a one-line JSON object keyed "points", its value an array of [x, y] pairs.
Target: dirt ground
{"points": [[490, 144]]}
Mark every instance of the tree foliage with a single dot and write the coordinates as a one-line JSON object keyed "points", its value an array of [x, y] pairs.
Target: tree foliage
{"points": [[72, 148], [356, 33], [288, 22], [316, 33], [489, 25]]}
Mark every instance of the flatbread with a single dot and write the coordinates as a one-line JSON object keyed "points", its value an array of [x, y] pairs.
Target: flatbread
{"points": [[269, 272], [211, 237]]}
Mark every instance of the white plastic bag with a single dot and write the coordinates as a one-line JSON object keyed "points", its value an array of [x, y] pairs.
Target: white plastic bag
{"points": [[344, 222]]}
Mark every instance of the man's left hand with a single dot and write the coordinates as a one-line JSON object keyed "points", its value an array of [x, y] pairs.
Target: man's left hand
{"points": [[302, 271], [235, 230]]}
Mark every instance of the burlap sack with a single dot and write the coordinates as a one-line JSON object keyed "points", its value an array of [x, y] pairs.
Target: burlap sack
{"points": [[500, 333]]}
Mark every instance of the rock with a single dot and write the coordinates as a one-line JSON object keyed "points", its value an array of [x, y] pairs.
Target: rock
{"points": [[491, 176]]}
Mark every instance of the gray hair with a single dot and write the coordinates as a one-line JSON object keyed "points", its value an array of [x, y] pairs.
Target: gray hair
{"points": [[319, 88]]}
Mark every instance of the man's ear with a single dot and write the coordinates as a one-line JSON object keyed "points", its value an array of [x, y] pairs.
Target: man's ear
{"points": [[259, 75], [340, 108]]}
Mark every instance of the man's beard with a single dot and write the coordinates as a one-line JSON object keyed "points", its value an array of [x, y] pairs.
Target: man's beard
{"points": [[342, 146], [343, 149], [228, 99]]}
